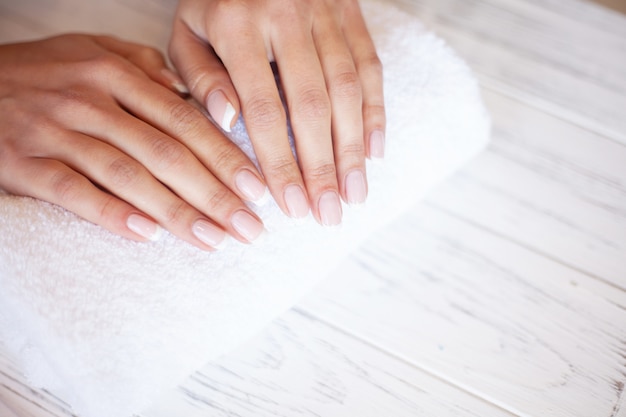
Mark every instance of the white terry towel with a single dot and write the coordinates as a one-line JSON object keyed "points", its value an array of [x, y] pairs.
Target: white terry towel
{"points": [[106, 324]]}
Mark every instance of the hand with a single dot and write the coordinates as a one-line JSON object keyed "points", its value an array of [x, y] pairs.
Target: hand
{"points": [[93, 124], [331, 77]]}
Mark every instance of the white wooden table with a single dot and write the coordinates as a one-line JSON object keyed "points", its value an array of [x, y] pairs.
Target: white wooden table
{"points": [[502, 294]]}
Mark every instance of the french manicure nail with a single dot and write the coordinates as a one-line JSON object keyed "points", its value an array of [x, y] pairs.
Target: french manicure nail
{"points": [[356, 187], [296, 201], [252, 187], [377, 144], [144, 227], [175, 80], [330, 209], [247, 226], [209, 233], [221, 110]]}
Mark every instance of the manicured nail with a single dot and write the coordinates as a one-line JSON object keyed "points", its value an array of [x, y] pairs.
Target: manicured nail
{"points": [[377, 144], [356, 187], [330, 208], [175, 80], [144, 227], [247, 226], [296, 201], [251, 187], [209, 233], [221, 110]]}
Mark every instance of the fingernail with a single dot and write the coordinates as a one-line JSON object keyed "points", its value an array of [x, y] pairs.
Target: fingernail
{"points": [[247, 226], [356, 187], [209, 234], [251, 187], [221, 110], [175, 80], [330, 208], [377, 144], [296, 201], [144, 227]]}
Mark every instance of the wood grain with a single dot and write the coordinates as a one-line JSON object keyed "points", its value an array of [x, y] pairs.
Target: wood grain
{"points": [[303, 367], [569, 64], [485, 314], [503, 294], [560, 190]]}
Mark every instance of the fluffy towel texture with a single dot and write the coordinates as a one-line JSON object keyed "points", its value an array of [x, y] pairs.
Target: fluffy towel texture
{"points": [[106, 323]]}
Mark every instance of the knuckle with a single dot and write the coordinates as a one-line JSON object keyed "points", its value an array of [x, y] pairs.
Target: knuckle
{"points": [[230, 15], [123, 172], [107, 208], [226, 158], [198, 77], [176, 213], [374, 112], [371, 63], [282, 167], [72, 100], [264, 114], [312, 104], [356, 148], [150, 54], [346, 85], [167, 153], [66, 186], [217, 200], [184, 119], [109, 63], [293, 11], [231, 9], [322, 172]]}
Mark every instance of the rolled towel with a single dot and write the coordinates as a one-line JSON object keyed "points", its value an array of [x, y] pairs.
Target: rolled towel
{"points": [[106, 324]]}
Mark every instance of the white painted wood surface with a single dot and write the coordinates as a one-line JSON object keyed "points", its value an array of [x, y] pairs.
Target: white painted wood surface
{"points": [[503, 294]]}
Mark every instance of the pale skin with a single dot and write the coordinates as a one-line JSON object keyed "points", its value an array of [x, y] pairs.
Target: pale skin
{"points": [[98, 125], [332, 80]]}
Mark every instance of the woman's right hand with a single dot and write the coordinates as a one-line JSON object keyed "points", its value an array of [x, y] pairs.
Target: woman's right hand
{"points": [[93, 124]]}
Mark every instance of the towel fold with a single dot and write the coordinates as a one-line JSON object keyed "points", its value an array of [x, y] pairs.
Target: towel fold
{"points": [[106, 324]]}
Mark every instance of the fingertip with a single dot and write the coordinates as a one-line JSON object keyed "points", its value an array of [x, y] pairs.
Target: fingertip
{"points": [[296, 202], [251, 187], [355, 186], [377, 145], [329, 209], [144, 227], [248, 226], [173, 81], [222, 110]]}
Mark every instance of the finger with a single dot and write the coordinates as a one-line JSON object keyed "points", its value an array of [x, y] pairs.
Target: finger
{"points": [[149, 60], [310, 113], [174, 165], [168, 160], [178, 119], [52, 181], [344, 89], [128, 180], [265, 118], [369, 68], [205, 75]]}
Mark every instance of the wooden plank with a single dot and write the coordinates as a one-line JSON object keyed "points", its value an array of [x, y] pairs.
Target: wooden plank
{"points": [[23, 400], [559, 63], [491, 317], [301, 367], [297, 366], [548, 185]]}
